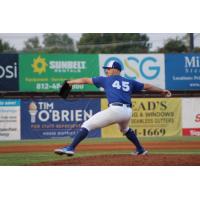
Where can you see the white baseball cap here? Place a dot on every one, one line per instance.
(113, 65)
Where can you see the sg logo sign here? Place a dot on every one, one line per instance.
(146, 67)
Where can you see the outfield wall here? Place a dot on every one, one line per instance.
(46, 72)
(57, 118)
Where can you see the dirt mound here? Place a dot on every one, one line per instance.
(128, 160)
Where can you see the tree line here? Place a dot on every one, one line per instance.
(98, 43)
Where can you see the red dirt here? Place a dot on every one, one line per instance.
(120, 159)
(128, 160)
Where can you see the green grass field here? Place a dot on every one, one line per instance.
(18, 159)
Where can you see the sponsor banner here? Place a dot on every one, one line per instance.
(157, 117)
(182, 71)
(9, 72)
(191, 116)
(43, 119)
(146, 68)
(9, 119)
(46, 72)
(151, 118)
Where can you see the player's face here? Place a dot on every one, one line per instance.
(109, 72)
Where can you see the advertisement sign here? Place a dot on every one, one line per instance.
(9, 72)
(151, 118)
(46, 72)
(157, 117)
(43, 119)
(145, 68)
(9, 119)
(182, 71)
(191, 116)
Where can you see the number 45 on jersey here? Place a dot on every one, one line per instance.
(124, 85)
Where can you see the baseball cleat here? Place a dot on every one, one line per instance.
(138, 153)
(65, 150)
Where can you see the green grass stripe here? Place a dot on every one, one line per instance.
(16, 159)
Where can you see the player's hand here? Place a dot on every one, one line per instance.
(70, 84)
(167, 93)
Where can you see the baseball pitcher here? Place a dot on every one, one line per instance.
(118, 92)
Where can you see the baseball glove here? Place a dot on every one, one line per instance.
(65, 90)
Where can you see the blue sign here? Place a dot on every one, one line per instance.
(182, 71)
(9, 72)
(44, 119)
(9, 102)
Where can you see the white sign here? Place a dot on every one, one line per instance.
(191, 116)
(10, 119)
(145, 68)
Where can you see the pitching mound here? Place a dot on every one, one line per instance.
(128, 160)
